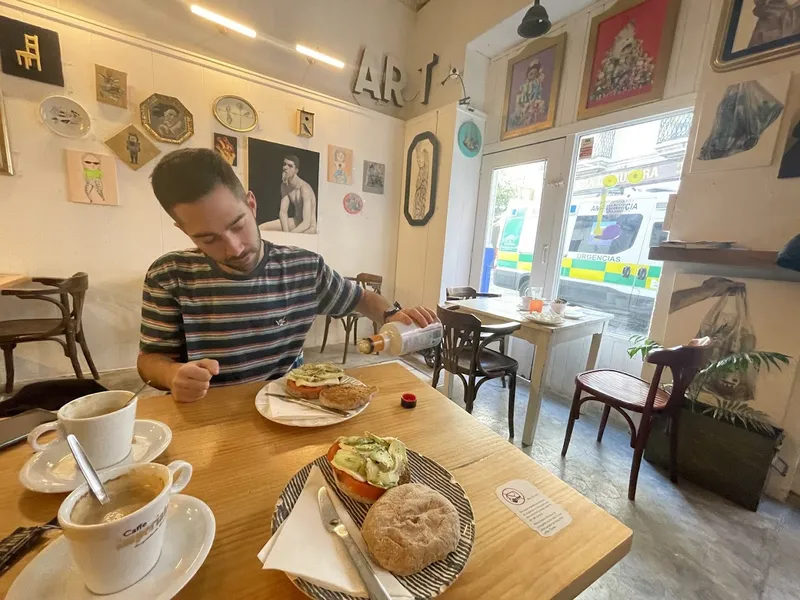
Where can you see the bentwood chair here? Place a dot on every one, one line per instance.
(68, 325)
(466, 292)
(350, 320)
(624, 392)
(463, 353)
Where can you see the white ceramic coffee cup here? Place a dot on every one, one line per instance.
(113, 556)
(525, 305)
(107, 438)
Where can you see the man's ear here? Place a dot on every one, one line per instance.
(251, 202)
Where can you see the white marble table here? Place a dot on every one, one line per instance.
(502, 310)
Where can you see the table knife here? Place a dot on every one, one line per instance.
(325, 409)
(332, 522)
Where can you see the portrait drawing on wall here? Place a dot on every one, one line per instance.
(133, 147)
(167, 119)
(422, 166)
(285, 182)
(374, 177)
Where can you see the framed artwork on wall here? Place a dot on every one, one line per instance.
(92, 178)
(533, 82)
(167, 119)
(235, 113)
(628, 56)
(111, 86)
(739, 124)
(228, 147)
(6, 165)
(374, 177)
(31, 52)
(340, 165)
(285, 182)
(422, 171)
(133, 147)
(756, 31)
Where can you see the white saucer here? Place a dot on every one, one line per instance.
(190, 532)
(53, 470)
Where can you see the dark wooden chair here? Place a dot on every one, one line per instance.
(624, 392)
(350, 320)
(463, 352)
(465, 292)
(69, 324)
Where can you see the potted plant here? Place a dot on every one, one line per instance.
(725, 445)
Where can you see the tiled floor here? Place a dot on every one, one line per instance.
(688, 544)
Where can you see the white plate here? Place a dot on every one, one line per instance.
(53, 470)
(545, 319)
(190, 533)
(574, 313)
(65, 117)
(279, 387)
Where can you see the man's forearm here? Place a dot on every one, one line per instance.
(373, 306)
(158, 369)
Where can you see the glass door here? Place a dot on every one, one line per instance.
(521, 198)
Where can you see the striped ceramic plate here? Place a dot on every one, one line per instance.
(431, 581)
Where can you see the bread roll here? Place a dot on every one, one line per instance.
(410, 527)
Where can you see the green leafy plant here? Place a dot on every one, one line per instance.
(732, 411)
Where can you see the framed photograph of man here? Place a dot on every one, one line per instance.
(532, 87)
(756, 31)
(285, 182)
(628, 56)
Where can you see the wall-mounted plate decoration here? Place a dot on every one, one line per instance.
(353, 203)
(65, 117)
(470, 140)
(235, 113)
(167, 119)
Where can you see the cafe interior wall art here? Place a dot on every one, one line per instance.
(739, 124)
(340, 165)
(167, 119)
(753, 32)
(533, 81)
(285, 182)
(374, 177)
(31, 52)
(92, 178)
(228, 147)
(422, 171)
(628, 56)
(6, 164)
(111, 86)
(133, 147)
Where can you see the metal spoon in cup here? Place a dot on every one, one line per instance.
(139, 391)
(95, 485)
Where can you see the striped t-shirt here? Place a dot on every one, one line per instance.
(254, 325)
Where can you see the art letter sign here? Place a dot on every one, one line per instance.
(386, 85)
(30, 51)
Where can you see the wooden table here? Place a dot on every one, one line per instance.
(11, 279)
(502, 310)
(242, 462)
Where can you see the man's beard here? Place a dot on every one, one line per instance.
(244, 263)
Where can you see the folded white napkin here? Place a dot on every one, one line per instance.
(285, 411)
(302, 547)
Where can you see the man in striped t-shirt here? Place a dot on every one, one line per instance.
(236, 309)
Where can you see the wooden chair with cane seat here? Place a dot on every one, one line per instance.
(466, 292)
(463, 353)
(69, 324)
(350, 320)
(624, 392)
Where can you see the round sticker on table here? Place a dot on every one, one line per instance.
(610, 181)
(353, 204)
(469, 139)
(636, 176)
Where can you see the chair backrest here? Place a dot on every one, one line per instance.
(373, 281)
(461, 293)
(75, 287)
(461, 331)
(685, 362)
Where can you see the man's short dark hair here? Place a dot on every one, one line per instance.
(294, 159)
(184, 176)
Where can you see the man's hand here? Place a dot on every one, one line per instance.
(421, 315)
(191, 381)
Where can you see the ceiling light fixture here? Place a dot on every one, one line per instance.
(535, 23)
(224, 21)
(328, 60)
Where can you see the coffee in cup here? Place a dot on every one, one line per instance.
(102, 422)
(115, 545)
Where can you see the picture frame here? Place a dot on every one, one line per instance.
(166, 119)
(530, 103)
(235, 113)
(111, 86)
(133, 147)
(744, 40)
(6, 164)
(422, 170)
(637, 34)
(91, 178)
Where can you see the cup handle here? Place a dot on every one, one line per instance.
(40, 430)
(181, 474)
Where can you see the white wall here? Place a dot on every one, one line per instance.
(339, 28)
(43, 234)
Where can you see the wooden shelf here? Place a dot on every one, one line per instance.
(753, 259)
